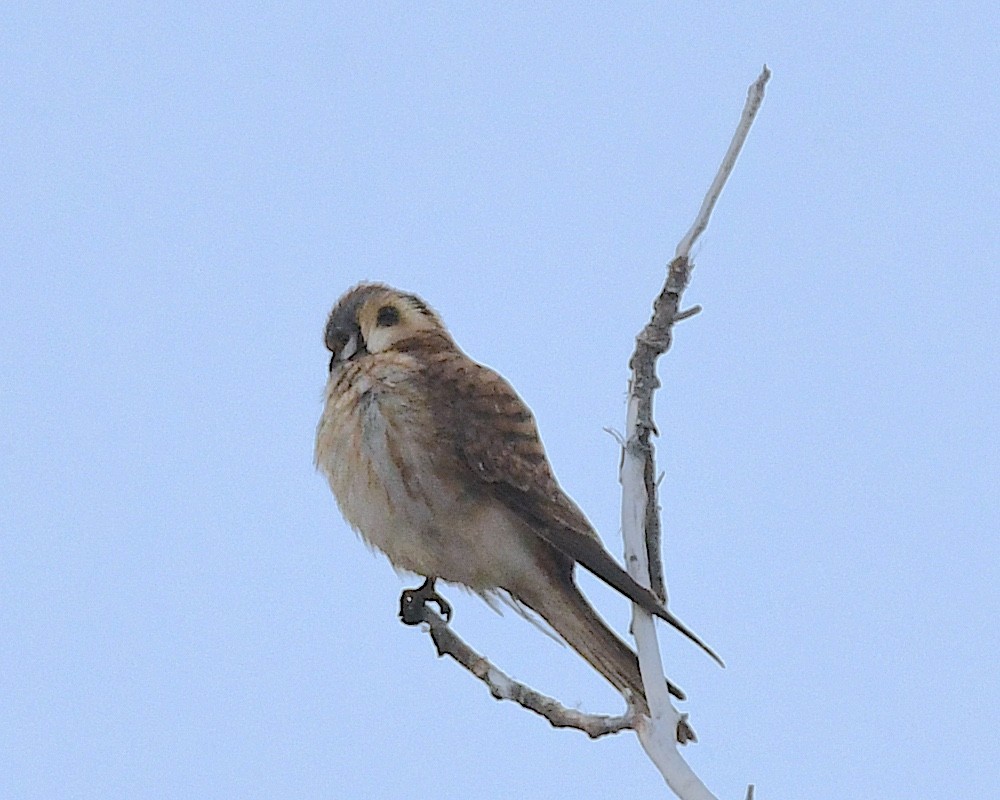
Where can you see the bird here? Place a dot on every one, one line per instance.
(437, 462)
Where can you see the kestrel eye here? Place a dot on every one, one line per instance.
(387, 317)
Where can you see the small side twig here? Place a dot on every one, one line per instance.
(687, 313)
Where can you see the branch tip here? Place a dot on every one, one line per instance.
(755, 96)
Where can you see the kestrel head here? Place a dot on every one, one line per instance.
(373, 318)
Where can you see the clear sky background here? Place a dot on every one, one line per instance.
(184, 193)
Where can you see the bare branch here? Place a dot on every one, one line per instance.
(659, 733)
(640, 505)
(503, 687)
(755, 96)
(651, 343)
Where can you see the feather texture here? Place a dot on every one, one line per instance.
(436, 461)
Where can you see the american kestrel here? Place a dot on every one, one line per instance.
(436, 461)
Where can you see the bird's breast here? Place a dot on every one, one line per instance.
(393, 481)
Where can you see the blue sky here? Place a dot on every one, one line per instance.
(184, 193)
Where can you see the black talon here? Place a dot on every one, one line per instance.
(413, 602)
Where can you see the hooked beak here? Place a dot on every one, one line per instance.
(350, 349)
(352, 346)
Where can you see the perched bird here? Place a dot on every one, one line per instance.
(436, 461)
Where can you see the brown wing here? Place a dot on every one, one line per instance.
(495, 436)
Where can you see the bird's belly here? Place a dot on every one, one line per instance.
(397, 487)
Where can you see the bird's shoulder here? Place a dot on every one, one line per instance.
(485, 419)
(494, 437)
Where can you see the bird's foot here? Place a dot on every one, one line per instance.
(413, 602)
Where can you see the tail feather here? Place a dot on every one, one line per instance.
(565, 608)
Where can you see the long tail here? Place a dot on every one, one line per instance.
(590, 553)
(562, 606)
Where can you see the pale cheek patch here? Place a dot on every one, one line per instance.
(379, 339)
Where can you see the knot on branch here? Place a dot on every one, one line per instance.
(656, 339)
(678, 275)
(638, 445)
